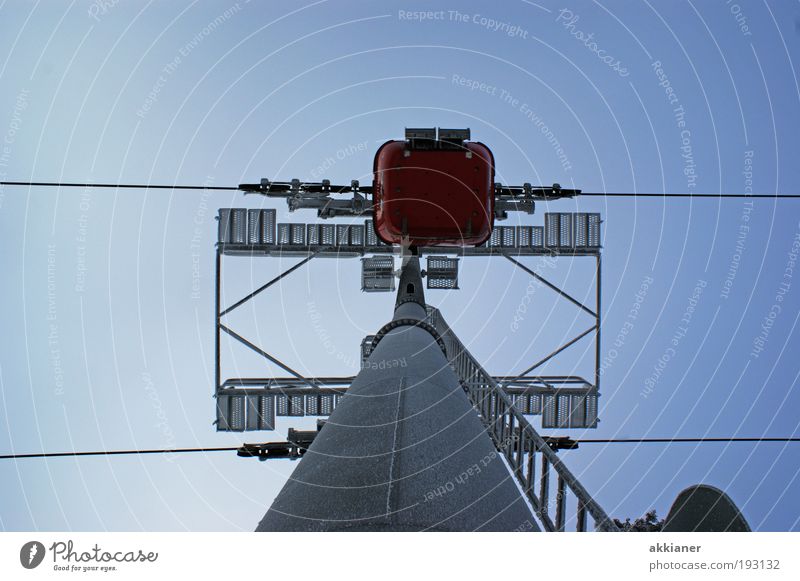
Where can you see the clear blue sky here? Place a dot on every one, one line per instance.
(107, 344)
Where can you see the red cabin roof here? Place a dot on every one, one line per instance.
(434, 190)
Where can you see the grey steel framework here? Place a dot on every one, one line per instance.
(502, 402)
(252, 403)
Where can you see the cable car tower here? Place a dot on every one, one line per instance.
(438, 444)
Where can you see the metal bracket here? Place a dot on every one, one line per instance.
(557, 443)
(316, 195)
(298, 442)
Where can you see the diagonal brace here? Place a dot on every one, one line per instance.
(267, 356)
(552, 286)
(270, 283)
(556, 352)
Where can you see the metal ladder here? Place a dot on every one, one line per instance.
(519, 442)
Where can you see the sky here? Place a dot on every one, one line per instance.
(108, 298)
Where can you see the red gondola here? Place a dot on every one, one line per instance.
(434, 190)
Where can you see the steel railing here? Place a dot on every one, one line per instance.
(519, 442)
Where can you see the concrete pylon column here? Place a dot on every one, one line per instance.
(404, 450)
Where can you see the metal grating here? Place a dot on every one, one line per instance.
(577, 411)
(238, 229)
(326, 404)
(503, 236)
(371, 237)
(530, 405)
(312, 405)
(520, 402)
(565, 230)
(297, 234)
(591, 410)
(581, 229)
(342, 235)
(328, 234)
(260, 412)
(442, 273)
(562, 411)
(587, 230)
(297, 405)
(535, 405)
(290, 405)
(508, 236)
(237, 413)
(268, 226)
(224, 219)
(312, 234)
(350, 234)
(222, 413)
(549, 411)
(252, 421)
(551, 229)
(569, 411)
(594, 230)
(558, 230)
(524, 235)
(283, 234)
(292, 234)
(253, 231)
(260, 226)
(230, 413)
(267, 412)
(356, 235)
(321, 234)
(282, 405)
(319, 404)
(377, 274)
(537, 237)
(232, 225)
(442, 283)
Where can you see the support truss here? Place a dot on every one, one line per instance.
(563, 401)
(564, 418)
